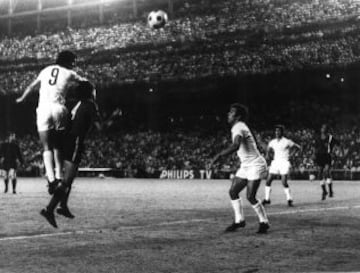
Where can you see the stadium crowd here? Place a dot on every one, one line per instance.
(252, 37)
(144, 153)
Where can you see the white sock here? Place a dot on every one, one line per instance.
(58, 164)
(58, 173)
(238, 210)
(328, 180)
(267, 192)
(261, 213)
(287, 193)
(49, 165)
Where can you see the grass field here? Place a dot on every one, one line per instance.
(125, 225)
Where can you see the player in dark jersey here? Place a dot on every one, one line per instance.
(324, 144)
(83, 116)
(9, 155)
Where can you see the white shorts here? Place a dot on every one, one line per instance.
(280, 167)
(11, 173)
(52, 116)
(252, 172)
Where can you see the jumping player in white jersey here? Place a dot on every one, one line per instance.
(281, 148)
(52, 114)
(253, 168)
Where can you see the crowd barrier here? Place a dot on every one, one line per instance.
(338, 174)
(309, 174)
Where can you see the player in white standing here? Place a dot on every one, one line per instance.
(253, 168)
(52, 114)
(281, 148)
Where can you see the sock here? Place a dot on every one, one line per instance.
(59, 194)
(14, 184)
(238, 210)
(58, 173)
(6, 181)
(323, 188)
(260, 211)
(329, 182)
(48, 158)
(287, 193)
(267, 192)
(58, 164)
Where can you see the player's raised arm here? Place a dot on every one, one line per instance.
(28, 90)
(233, 147)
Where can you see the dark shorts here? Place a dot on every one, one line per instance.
(323, 159)
(73, 149)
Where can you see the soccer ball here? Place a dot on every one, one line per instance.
(157, 19)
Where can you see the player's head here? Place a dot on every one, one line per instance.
(66, 59)
(85, 90)
(279, 130)
(237, 112)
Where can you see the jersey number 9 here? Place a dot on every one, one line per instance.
(54, 76)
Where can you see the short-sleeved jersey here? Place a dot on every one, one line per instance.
(10, 151)
(325, 145)
(54, 82)
(281, 148)
(248, 152)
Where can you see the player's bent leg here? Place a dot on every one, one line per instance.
(48, 156)
(237, 186)
(70, 171)
(58, 143)
(259, 209)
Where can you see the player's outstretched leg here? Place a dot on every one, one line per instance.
(48, 212)
(239, 218)
(64, 209)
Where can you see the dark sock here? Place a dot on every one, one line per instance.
(6, 181)
(330, 188)
(64, 200)
(14, 185)
(324, 189)
(59, 194)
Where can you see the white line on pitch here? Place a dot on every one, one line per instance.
(79, 232)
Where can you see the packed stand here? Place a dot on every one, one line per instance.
(146, 153)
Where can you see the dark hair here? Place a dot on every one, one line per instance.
(84, 90)
(280, 127)
(66, 58)
(241, 110)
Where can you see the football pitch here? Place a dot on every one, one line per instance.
(132, 225)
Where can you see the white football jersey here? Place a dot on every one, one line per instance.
(54, 81)
(281, 148)
(248, 152)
